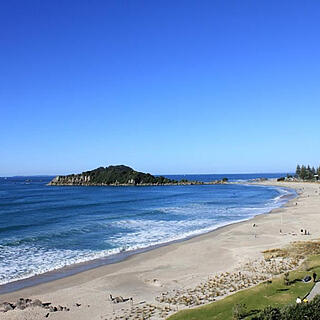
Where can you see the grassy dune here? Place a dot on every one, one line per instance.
(274, 293)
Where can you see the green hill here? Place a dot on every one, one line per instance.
(112, 175)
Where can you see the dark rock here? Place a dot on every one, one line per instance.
(37, 303)
(6, 306)
(46, 305)
(25, 303)
(21, 304)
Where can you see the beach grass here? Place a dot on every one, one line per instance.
(274, 293)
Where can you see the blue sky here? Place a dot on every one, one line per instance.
(162, 86)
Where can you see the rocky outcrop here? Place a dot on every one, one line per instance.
(71, 180)
(26, 303)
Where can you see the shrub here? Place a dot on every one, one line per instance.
(239, 311)
(270, 313)
(310, 311)
(286, 279)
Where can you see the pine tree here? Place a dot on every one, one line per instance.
(298, 170)
(309, 173)
(303, 172)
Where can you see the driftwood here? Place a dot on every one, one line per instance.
(119, 299)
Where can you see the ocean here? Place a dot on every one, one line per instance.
(46, 228)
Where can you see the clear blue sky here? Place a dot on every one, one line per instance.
(162, 86)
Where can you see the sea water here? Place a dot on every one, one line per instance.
(45, 228)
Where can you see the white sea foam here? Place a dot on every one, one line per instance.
(22, 261)
(27, 261)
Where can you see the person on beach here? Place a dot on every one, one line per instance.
(314, 276)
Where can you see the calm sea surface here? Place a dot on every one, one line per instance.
(45, 228)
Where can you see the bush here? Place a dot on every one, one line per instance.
(270, 313)
(286, 279)
(239, 311)
(310, 311)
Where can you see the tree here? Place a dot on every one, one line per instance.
(309, 175)
(298, 170)
(303, 172)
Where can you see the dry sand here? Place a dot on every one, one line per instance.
(176, 266)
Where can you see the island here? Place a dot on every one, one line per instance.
(119, 175)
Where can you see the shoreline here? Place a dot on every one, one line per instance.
(183, 264)
(76, 268)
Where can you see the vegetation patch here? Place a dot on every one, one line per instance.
(277, 294)
(296, 250)
(310, 311)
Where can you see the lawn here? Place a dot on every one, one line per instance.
(257, 298)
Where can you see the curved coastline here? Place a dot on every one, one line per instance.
(78, 268)
(178, 266)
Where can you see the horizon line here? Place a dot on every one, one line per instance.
(156, 174)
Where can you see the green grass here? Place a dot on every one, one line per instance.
(258, 297)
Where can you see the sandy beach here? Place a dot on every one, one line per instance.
(175, 268)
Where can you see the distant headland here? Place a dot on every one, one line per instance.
(119, 175)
